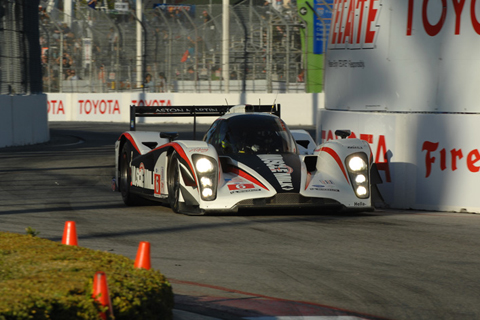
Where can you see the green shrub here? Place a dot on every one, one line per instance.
(41, 279)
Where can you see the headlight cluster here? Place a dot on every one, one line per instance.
(207, 169)
(357, 165)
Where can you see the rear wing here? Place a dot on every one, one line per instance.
(195, 111)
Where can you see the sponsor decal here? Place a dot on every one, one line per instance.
(359, 204)
(280, 170)
(174, 109)
(355, 24)
(162, 175)
(142, 177)
(244, 191)
(323, 188)
(327, 182)
(158, 185)
(326, 185)
(241, 186)
(454, 157)
(199, 150)
(99, 106)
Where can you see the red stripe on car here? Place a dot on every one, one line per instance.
(335, 156)
(245, 175)
(132, 141)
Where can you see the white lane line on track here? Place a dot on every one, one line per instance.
(305, 318)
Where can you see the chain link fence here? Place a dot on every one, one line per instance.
(181, 50)
(20, 71)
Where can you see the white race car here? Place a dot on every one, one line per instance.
(248, 158)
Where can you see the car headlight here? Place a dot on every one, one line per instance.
(359, 175)
(207, 171)
(356, 164)
(361, 191)
(204, 165)
(206, 182)
(360, 178)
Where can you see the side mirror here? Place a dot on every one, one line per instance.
(170, 135)
(343, 133)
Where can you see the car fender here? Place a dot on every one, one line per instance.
(189, 182)
(306, 144)
(331, 179)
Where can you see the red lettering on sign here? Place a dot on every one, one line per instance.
(472, 158)
(410, 17)
(153, 103)
(54, 108)
(367, 137)
(458, 6)
(335, 20)
(429, 147)
(475, 23)
(443, 159)
(341, 26)
(455, 155)
(434, 29)
(361, 6)
(355, 22)
(108, 107)
(348, 36)
(372, 17)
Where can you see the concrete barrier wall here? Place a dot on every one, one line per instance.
(23, 120)
(296, 108)
(426, 161)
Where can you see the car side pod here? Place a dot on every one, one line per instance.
(70, 234)
(142, 260)
(101, 294)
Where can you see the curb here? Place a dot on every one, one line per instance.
(185, 315)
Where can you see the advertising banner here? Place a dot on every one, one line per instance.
(317, 16)
(58, 107)
(98, 107)
(426, 161)
(406, 56)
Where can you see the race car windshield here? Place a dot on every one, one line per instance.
(255, 134)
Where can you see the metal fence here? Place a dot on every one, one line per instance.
(20, 71)
(181, 50)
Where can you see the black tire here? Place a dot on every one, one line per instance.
(173, 183)
(126, 178)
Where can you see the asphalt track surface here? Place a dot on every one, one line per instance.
(260, 265)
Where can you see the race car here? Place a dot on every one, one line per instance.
(247, 158)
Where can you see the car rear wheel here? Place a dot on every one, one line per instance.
(126, 178)
(173, 182)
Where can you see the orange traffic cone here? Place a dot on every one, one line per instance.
(70, 234)
(101, 294)
(143, 256)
